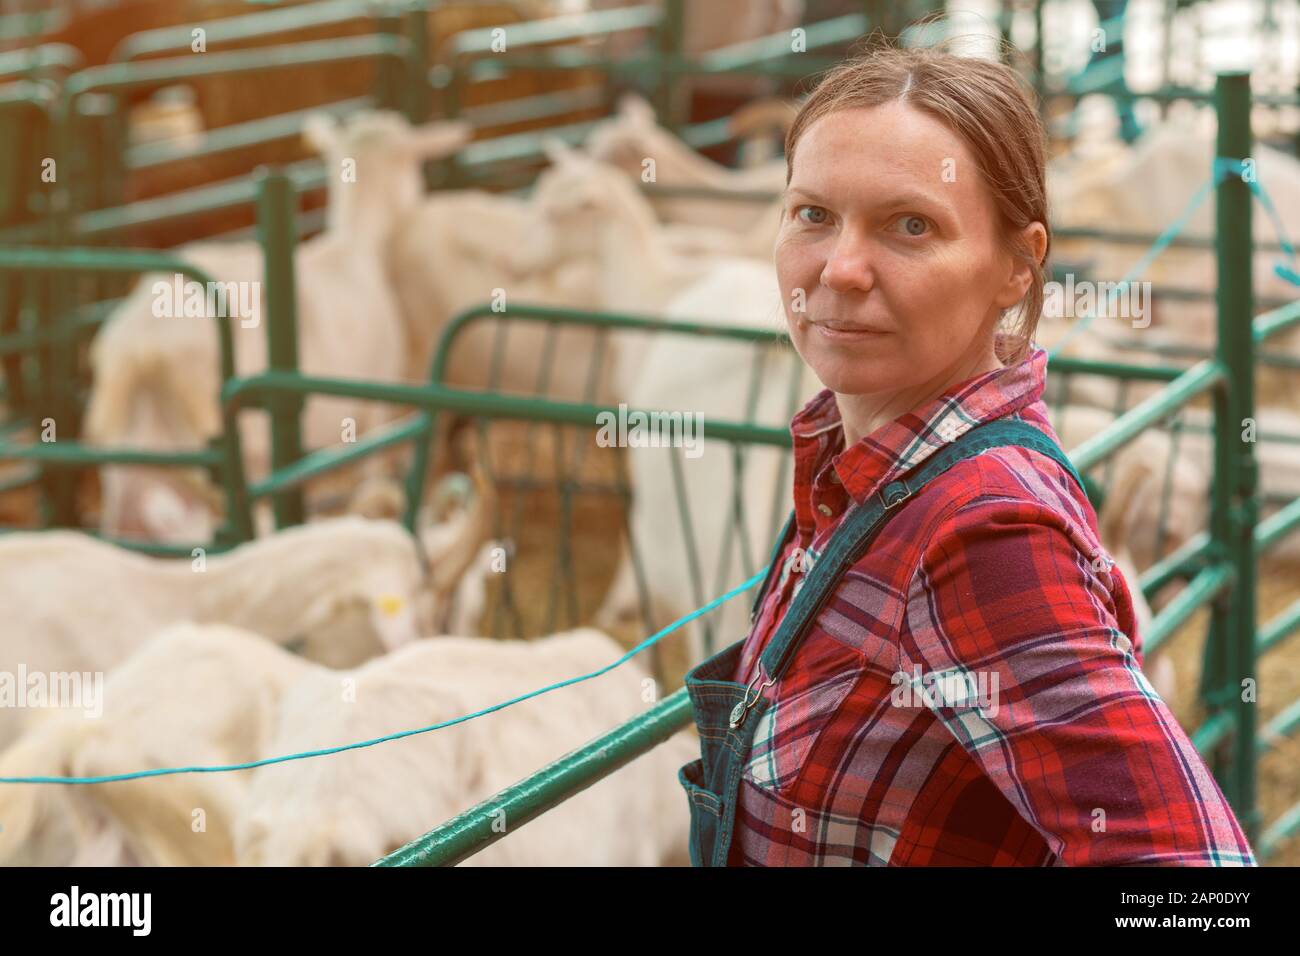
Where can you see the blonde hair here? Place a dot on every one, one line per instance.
(989, 107)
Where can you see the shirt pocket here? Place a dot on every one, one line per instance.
(789, 728)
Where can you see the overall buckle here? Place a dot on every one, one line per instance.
(741, 709)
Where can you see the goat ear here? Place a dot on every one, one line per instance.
(451, 545)
(435, 140)
(637, 109)
(170, 516)
(558, 151)
(395, 620)
(320, 131)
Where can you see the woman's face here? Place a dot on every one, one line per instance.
(891, 234)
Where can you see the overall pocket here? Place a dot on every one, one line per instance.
(787, 732)
(706, 813)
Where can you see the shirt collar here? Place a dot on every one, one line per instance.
(908, 440)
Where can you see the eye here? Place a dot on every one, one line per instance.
(912, 225)
(816, 215)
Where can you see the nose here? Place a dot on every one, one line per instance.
(850, 266)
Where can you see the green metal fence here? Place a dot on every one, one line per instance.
(1219, 567)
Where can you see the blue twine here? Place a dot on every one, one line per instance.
(1222, 168)
(166, 771)
(1162, 242)
(1281, 269)
(1234, 167)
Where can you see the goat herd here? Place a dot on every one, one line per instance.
(319, 635)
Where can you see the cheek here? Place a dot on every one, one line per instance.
(798, 266)
(938, 295)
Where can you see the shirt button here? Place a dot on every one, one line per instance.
(825, 509)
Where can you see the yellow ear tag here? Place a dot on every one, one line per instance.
(389, 604)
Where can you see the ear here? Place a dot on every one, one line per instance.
(451, 542)
(320, 131)
(454, 491)
(436, 140)
(558, 151)
(169, 516)
(394, 619)
(1032, 239)
(378, 498)
(637, 109)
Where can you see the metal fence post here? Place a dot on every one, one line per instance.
(390, 75)
(673, 105)
(1235, 504)
(277, 236)
(416, 93)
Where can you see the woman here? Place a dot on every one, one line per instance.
(961, 682)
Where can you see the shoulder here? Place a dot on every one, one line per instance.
(1011, 564)
(1012, 486)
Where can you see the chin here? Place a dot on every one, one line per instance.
(855, 383)
(852, 375)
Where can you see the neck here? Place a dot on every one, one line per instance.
(366, 215)
(635, 266)
(267, 585)
(864, 413)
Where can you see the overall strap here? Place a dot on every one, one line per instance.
(862, 523)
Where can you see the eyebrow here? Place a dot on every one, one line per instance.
(905, 198)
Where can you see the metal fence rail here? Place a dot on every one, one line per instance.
(1222, 577)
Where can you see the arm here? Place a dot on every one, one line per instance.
(1075, 737)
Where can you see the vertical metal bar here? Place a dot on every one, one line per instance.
(389, 72)
(415, 26)
(58, 363)
(1295, 141)
(1040, 60)
(671, 105)
(277, 235)
(1237, 485)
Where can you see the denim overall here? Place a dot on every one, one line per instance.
(726, 713)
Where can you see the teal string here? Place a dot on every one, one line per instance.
(1161, 243)
(1222, 168)
(167, 771)
(1281, 269)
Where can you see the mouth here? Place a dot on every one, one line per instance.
(846, 331)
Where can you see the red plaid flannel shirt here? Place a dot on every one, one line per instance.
(1024, 733)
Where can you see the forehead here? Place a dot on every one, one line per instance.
(861, 151)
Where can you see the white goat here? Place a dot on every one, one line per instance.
(452, 253)
(345, 589)
(193, 695)
(1193, 452)
(634, 137)
(1143, 189)
(156, 378)
(1149, 453)
(1129, 504)
(711, 376)
(351, 808)
(585, 239)
(584, 208)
